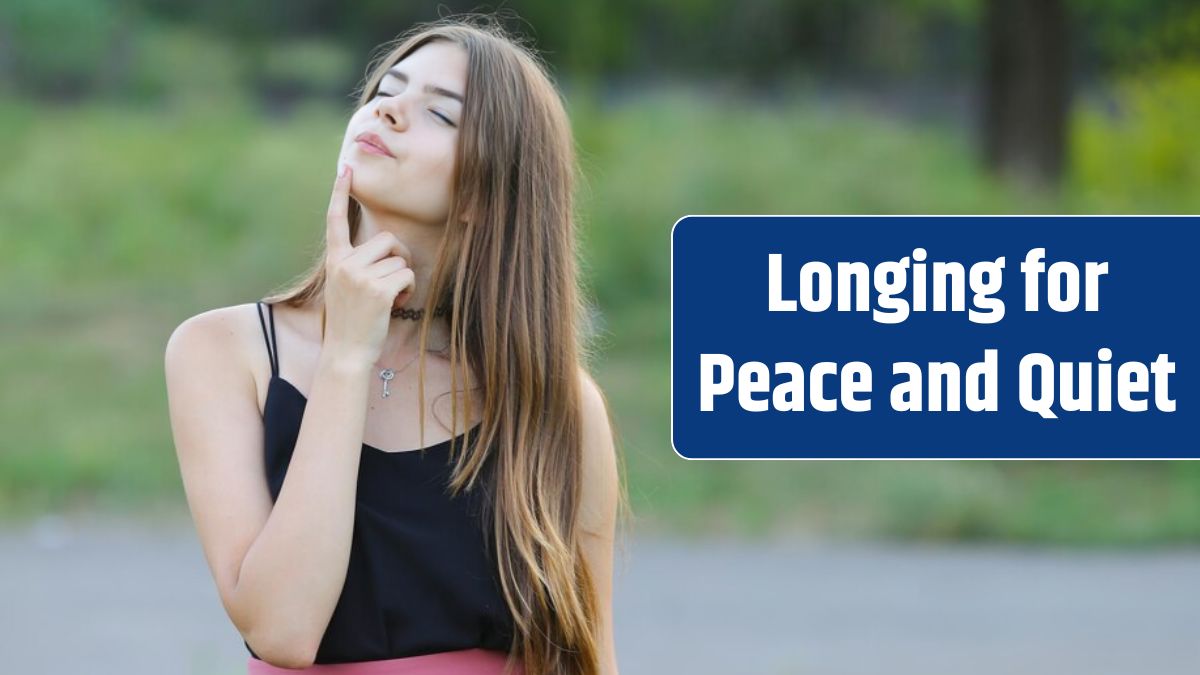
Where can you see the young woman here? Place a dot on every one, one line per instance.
(367, 537)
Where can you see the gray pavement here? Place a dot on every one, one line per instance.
(104, 596)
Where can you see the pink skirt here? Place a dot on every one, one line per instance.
(466, 662)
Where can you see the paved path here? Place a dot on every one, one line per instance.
(136, 598)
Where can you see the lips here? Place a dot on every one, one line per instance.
(374, 141)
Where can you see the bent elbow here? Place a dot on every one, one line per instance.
(272, 638)
(283, 651)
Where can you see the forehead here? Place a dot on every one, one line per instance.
(439, 63)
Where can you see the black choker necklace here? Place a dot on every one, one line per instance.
(416, 314)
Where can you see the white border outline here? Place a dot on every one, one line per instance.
(671, 310)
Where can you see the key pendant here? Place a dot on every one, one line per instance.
(386, 375)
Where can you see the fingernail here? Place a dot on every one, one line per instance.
(343, 170)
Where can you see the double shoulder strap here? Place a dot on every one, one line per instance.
(272, 343)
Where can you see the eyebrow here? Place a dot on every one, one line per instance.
(429, 88)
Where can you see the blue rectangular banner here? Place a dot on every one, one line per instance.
(923, 337)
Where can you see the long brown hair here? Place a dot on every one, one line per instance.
(507, 267)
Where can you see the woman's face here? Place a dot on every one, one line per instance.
(415, 116)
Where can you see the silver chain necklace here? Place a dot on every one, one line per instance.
(387, 374)
(413, 315)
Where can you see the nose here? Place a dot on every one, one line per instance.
(393, 111)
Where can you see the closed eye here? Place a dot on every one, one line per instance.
(443, 118)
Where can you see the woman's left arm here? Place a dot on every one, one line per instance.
(598, 511)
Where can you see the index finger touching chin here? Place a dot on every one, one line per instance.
(337, 226)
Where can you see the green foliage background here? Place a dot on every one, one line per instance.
(192, 172)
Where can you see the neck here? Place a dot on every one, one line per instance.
(423, 241)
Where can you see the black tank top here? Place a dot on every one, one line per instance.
(422, 576)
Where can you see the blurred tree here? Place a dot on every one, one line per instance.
(1124, 35)
(65, 49)
(1026, 83)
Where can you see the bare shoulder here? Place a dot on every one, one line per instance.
(594, 404)
(220, 338)
(224, 329)
(599, 461)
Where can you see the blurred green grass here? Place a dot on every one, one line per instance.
(119, 222)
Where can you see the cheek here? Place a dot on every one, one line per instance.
(437, 181)
(438, 163)
(445, 169)
(360, 115)
(357, 121)
(445, 160)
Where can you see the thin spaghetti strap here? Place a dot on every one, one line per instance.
(272, 343)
